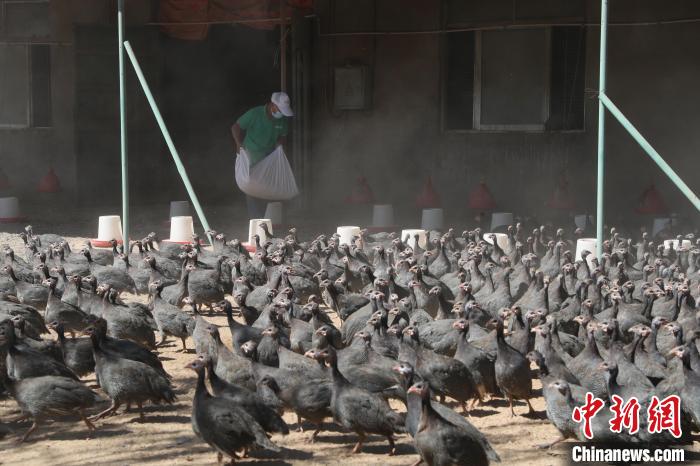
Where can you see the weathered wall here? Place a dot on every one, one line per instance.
(653, 71)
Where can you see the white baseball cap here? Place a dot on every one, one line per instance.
(281, 99)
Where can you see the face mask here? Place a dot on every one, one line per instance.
(277, 115)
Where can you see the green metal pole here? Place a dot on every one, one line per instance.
(168, 139)
(655, 156)
(122, 127)
(601, 128)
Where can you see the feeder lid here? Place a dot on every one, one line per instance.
(481, 199)
(652, 202)
(361, 193)
(428, 198)
(49, 183)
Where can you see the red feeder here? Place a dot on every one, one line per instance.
(561, 198)
(4, 180)
(361, 193)
(428, 198)
(49, 183)
(481, 199)
(651, 202)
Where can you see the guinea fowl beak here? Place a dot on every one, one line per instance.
(415, 390)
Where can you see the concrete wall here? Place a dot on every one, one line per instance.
(653, 76)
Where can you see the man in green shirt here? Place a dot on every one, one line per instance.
(259, 131)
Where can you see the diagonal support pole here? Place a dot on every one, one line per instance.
(168, 140)
(655, 156)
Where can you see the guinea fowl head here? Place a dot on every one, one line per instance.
(213, 330)
(271, 331)
(461, 325)
(609, 367)
(364, 336)
(421, 389)
(57, 326)
(49, 283)
(535, 357)
(404, 369)
(249, 349)
(562, 387)
(196, 365)
(269, 382)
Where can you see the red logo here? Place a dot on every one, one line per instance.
(661, 415)
(587, 412)
(665, 415)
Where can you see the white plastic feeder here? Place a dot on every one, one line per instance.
(411, 241)
(109, 228)
(382, 215)
(432, 219)
(180, 209)
(346, 234)
(501, 219)
(667, 244)
(274, 212)
(660, 224)
(9, 210)
(501, 239)
(588, 244)
(181, 229)
(254, 229)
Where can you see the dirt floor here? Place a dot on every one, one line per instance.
(166, 436)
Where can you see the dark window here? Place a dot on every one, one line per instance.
(567, 86)
(459, 98)
(520, 79)
(41, 85)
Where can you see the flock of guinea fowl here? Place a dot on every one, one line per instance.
(332, 331)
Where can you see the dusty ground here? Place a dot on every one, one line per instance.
(166, 436)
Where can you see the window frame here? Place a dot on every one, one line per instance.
(477, 127)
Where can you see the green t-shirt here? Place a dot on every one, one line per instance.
(261, 132)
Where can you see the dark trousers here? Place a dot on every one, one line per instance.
(256, 207)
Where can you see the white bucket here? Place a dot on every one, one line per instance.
(501, 239)
(660, 224)
(254, 229)
(583, 220)
(181, 229)
(588, 244)
(273, 211)
(346, 234)
(383, 215)
(501, 219)
(109, 228)
(411, 241)
(667, 244)
(9, 207)
(180, 209)
(432, 219)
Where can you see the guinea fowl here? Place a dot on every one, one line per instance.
(47, 347)
(110, 275)
(250, 401)
(23, 362)
(76, 352)
(223, 424)
(123, 348)
(477, 361)
(443, 441)
(171, 320)
(229, 366)
(357, 409)
(132, 322)
(125, 380)
(512, 371)
(204, 286)
(249, 313)
(586, 365)
(70, 316)
(34, 295)
(174, 294)
(240, 333)
(50, 395)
